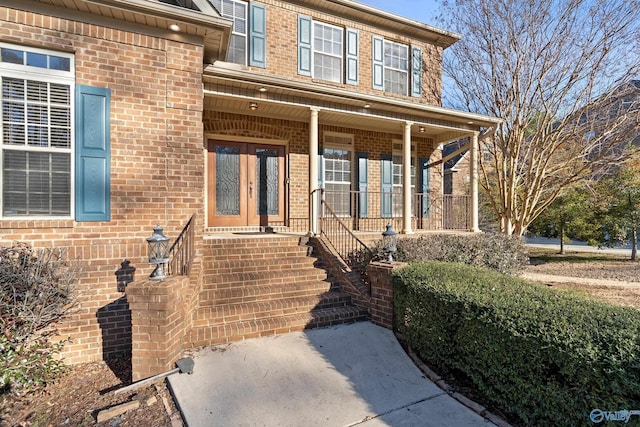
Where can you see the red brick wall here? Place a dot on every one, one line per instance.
(282, 28)
(157, 165)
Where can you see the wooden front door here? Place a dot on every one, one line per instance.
(246, 184)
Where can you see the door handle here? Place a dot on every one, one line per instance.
(251, 189)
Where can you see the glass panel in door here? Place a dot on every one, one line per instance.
(227, 180)
(267, 182)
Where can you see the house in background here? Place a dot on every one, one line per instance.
(230, 116)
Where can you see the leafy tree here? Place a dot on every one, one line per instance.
(558, 73)
(570, 216)
(618, 211)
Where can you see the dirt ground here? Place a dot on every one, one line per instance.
(85, 390)
(613, 279)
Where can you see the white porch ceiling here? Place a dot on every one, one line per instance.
(232, 89)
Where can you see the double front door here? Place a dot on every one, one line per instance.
(246, 184)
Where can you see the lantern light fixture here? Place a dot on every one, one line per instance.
(158, 251)
(389, 242)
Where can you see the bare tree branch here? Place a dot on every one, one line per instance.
(560, 74)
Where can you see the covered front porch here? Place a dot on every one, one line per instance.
(312, 152)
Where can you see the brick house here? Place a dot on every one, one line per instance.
(119, 115)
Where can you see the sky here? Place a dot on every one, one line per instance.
(420, 10)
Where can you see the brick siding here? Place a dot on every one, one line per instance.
(156, 166)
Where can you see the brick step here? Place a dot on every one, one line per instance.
(238, 331)
(270, 292)
(242, 247)
(227, 313)
(263, 277)
(231, 252)
(258, 264)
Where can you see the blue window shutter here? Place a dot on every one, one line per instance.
(386, 184)
(258, 36)
(378, 62)
(93, 152)
(304, 45)
(416, 71)
(424, 186)
(363, 185)
(352, 56)
(320, 168)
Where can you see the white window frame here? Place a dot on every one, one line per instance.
(397, 171)
(388, 67)
(345, 142)
(38, 74)
(234, 31)
(316, 50)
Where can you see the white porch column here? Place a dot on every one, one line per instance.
(314, 196)
(473, 181)
(406, 179)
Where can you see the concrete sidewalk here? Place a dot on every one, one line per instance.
(347, 375)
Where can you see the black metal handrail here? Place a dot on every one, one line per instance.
(351, 250)
(182, 251)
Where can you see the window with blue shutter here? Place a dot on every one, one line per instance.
(304, 45)
(416, 71)
(93, 151)
(386, 184)
(352, 57)
(424, 187)
(363, 185)
(258, 35)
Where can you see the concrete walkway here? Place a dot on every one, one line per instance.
(348, 375)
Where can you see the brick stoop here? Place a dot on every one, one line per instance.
(260, 286)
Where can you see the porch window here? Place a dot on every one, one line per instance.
(36, 137)
(398, 174)
(337, 179)
(338, 171)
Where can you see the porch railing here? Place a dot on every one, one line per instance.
(371, 211)
(353, 252)
(181, 253)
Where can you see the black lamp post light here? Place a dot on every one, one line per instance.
(158, 248)
(389, 242)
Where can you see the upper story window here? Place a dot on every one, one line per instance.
(325, 53)
(397, 68)
(36, 138)
(236, 11)
(248, 34)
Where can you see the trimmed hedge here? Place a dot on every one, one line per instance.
(496, 251)
(545, 357)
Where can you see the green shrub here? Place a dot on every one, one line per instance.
(25, 367)
(35, 292)
(543, 356)
(496, 251)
